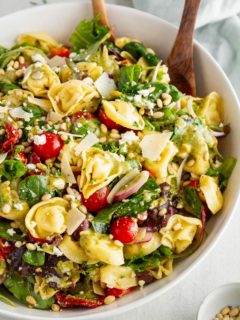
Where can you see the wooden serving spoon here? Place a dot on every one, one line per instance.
(180, 60)
(100, 8)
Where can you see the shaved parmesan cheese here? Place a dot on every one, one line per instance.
(56, 61)
(67, 170)
(153, 144)
(38, 58)
(74, 218)
(3, 156)
(86, 143)
(105, 85)
(44, 104)
(54, 116)
(20, 113)
(128, 137)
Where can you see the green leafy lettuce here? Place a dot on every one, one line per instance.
(129, 74)
(192, 202)
(32, 188)
(137, 50)
(12, 169)
(4, 234)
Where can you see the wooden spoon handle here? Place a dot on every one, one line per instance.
(184, 39)
(99, 7)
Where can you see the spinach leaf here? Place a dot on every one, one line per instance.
(7, 86)
(140, 264)
(4, 299)
(87, 33)
(35, 258)
(12, 169)
(85, 126)
(224, 171)
(32, 188)
(4, 227)
(21, 287)
(191, 201)
(136, 204)
(137, 50)
(129, 74)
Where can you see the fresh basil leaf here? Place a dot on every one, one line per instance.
(192, 203)
(4, 234)
(32, 188)
(129, 74)
(12, 169)
(35, 258)
(87, 33)
(132, 206)
(7, 86)
(21, 287)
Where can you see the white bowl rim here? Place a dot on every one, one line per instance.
(215, 291)
(142, 300)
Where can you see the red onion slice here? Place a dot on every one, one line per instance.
(142, 236)
(125, 180)
(133, 186)
(218, 133)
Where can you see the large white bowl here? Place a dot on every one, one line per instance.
(59, 20)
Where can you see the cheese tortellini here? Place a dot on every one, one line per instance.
(211, 109)
(99, 168)
(39, 78)
(179, 232)
(40, 39)
(73, 96)
(160, 167)
(72, 250)
(91, 69)
(17, 209)
(212, 194)
(164, 270)
(47, 218)
(100, 247)
(123, 113)
(119, 277)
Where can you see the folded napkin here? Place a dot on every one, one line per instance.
(218, 29)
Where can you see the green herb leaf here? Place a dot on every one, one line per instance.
(36, 111)
(87, 33)
(192, 203)
(35, 258)
(4, 227)
(32, 188)
(12, 169)
(136, 204)
(137, 50)
(129, 74)
(21, 287)
(7, 86)
(140, 264)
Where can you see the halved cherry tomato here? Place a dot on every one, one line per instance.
(51, 148)
(84, 114)
(34, 158)
(98, 200)
(108, 122)
(117, 292)
(62, 52)
(68, 301)
(22, 157)
(12, 137)
(124, 229)
(193, 183)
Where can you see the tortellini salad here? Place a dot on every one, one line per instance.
(108, 173)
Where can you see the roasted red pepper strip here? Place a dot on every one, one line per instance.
(193, 183)
(117, 292)
(12, 137)
(68, 301)
(5, 248)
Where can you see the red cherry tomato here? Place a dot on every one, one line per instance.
(98, 200)
(62, 52)
(117, 292)
(68, 301)
(39, 240)
(22, 157)
(124, 229)
(51, 148)
(108, 122)
(12, 137)
(34, 158)
(80, 114)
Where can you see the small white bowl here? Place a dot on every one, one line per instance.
(226, 295)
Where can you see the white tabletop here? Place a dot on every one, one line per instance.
(221, 265)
